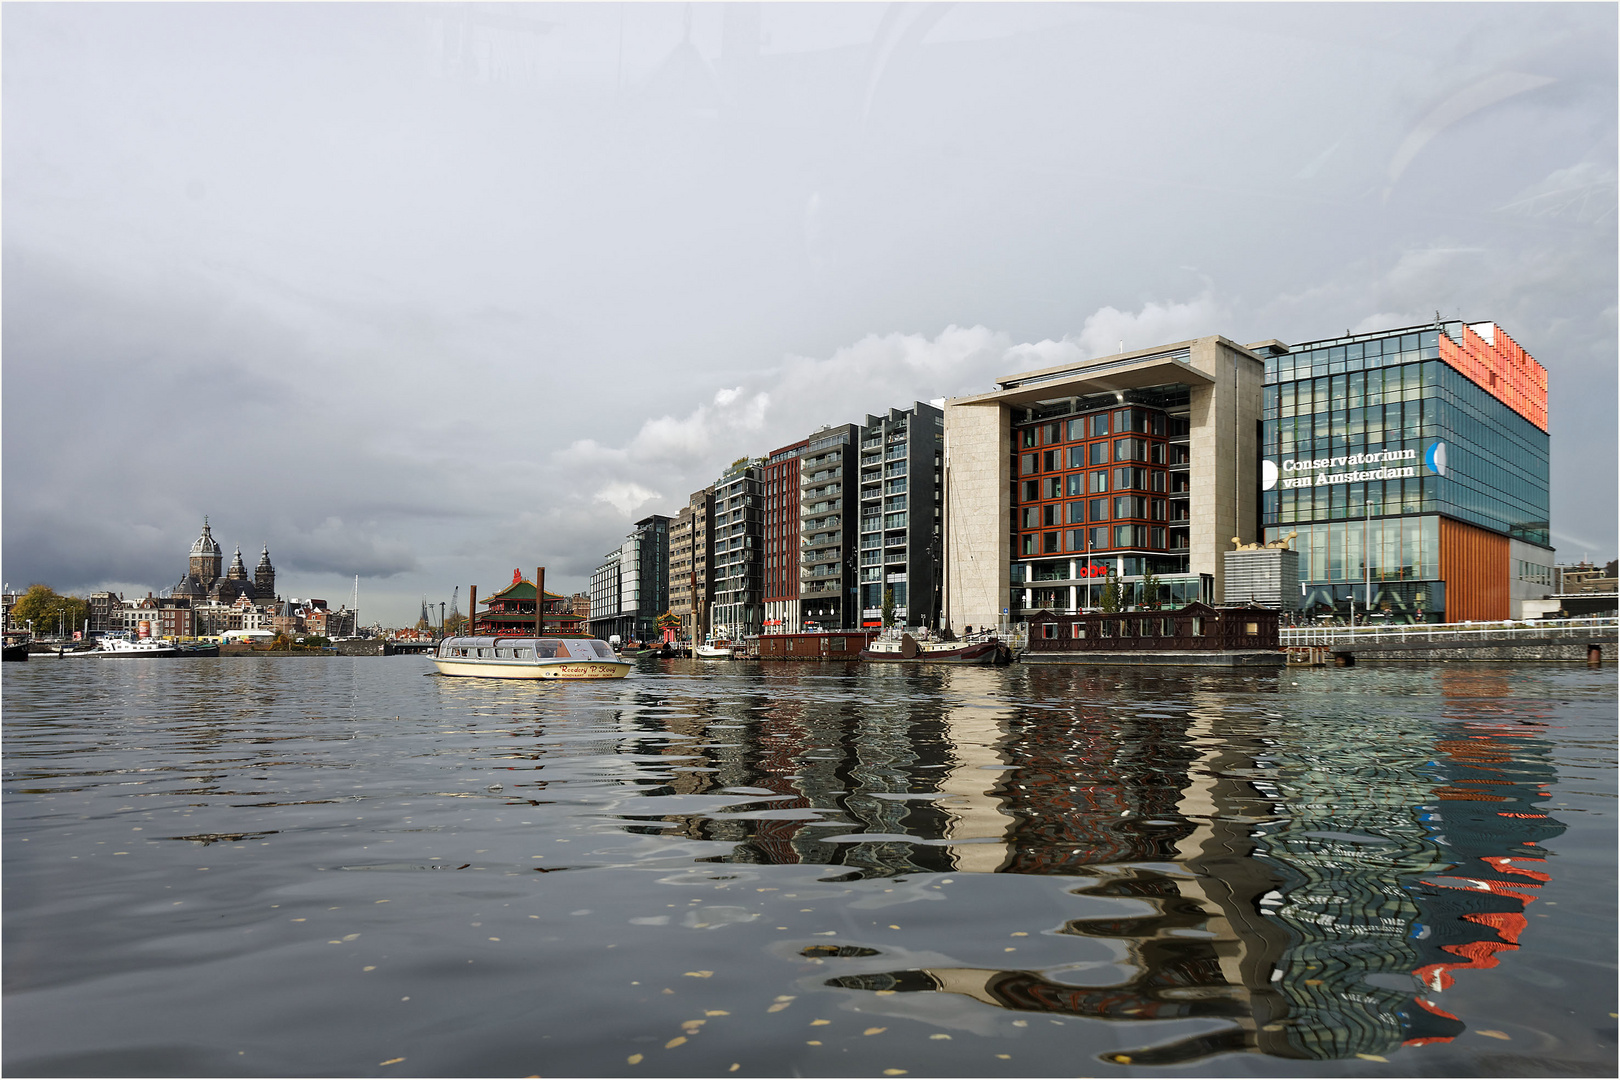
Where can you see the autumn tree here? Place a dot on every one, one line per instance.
(49, 610)
(888, 607)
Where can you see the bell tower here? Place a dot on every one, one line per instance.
(264, 576)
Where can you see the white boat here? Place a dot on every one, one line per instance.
(122, 646)
(529, 658)
(714, 650)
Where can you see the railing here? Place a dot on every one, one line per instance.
(1440, 633)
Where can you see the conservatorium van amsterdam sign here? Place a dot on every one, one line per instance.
(1350, 469)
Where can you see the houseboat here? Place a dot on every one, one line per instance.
(906, 649)
(529, 658)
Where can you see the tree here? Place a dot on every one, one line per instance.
(1110, 593)
(49, 610)
(454, 623)
(888, 607)
(1150, 591)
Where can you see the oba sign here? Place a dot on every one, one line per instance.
(1315, 472)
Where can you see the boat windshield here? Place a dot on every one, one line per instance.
(602, 650)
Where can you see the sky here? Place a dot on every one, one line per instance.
(423, 293)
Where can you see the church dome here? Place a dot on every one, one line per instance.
(205, 544)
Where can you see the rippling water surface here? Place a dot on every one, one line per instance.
(332, 866)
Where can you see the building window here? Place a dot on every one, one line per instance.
(1124, 535)
(1076, 484)
(1032, 490)
(1077, 457)
(1099, 537)
(1028, 466)
(1099, 482)
(1130, 450)
(1099, 425)
(1077, 539)
(1099, 453)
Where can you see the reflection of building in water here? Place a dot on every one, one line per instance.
(1304, 859)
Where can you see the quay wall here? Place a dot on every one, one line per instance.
(1559, 651)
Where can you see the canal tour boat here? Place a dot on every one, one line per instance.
(529, 658)
(907, 649)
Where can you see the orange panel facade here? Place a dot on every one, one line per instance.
(1502, 368)
(1474, 566)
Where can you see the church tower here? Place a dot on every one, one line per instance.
(264, 576)
(206, 558)
(238, 571)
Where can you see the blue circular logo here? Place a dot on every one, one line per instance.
(1435, 458)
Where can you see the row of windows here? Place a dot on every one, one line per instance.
(1354, 356)
(1070, 485)
(1097, 425)
(1081, 455)
(1081, 511)
(1406, 548)
(1156, 537)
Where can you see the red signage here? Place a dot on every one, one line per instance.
(1094, 570)
(872, 622)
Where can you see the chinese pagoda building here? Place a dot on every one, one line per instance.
(510, 613)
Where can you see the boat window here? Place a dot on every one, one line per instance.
(602, 650)
(523, 654)
(837, 644)
(545, 650)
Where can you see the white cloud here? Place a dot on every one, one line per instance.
(626, 497)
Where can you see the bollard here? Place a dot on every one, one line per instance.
(1594, 654)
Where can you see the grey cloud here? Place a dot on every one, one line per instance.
(388, 264)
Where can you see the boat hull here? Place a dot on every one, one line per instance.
(517, 669)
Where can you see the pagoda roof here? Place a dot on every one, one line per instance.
(522, 589)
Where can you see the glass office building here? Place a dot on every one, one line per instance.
(1413, 466)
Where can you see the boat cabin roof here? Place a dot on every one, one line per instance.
(508, 642)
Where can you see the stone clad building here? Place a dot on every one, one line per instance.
(1142, 462)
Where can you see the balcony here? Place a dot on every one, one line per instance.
(822, 557)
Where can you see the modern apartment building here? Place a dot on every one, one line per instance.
(691, 565)
(901, 515)
(1142, 462)
(782, 521)
(739, 540)
(1413, 465)
(605, 596)
(827, 500)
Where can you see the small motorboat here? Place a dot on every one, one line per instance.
(907, 649)
(529, 658)
(714, 650)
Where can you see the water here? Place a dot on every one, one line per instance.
(256, 866)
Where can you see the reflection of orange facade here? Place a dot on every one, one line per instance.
(1489, 759)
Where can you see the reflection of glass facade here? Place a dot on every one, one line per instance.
(1383, 435)
(1314, 881)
